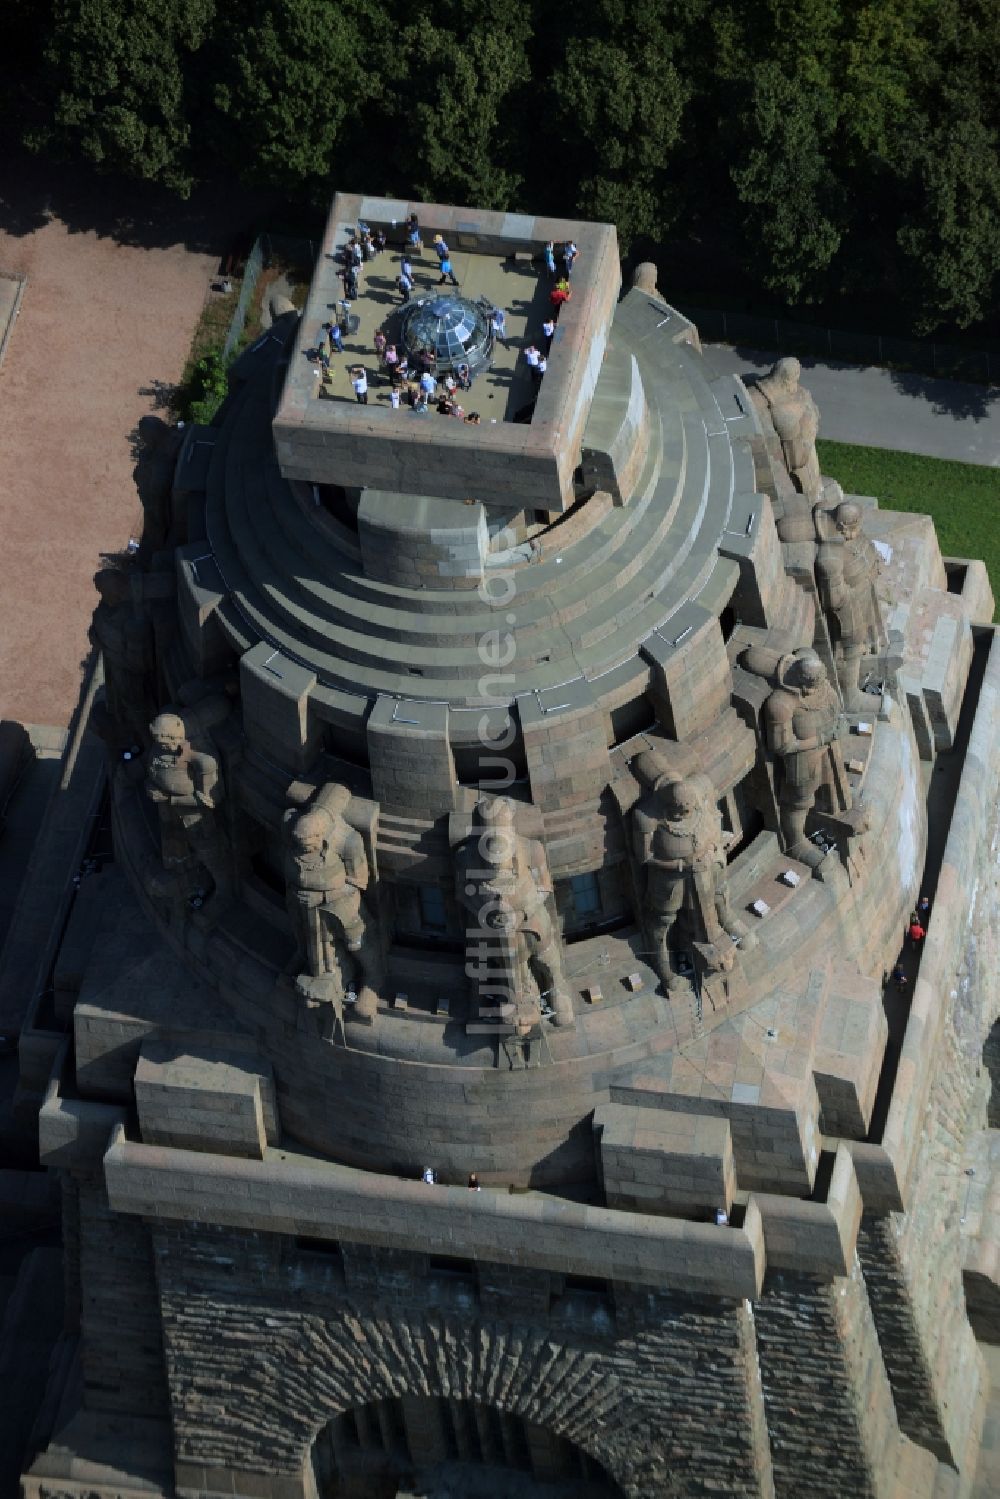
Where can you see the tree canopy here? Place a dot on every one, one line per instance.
(827, 149)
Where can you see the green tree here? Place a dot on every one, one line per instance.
(457, 83)
(950, 235)
(791, 197)
(290, 80)
(120, 80)
(778, 100)
(618, 108)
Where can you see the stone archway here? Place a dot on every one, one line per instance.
(437, 1447)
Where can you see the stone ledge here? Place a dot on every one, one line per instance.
(814, 1238)
(945, 931)
(530, 1229)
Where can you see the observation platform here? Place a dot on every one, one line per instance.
(342, 442)
(516, 286)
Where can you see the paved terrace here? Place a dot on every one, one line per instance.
(515, 285)
(340, 442)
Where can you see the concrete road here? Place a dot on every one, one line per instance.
(885, 409)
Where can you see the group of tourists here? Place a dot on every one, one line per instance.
(916, 931)
(404, 281)
(413, 379)
(364, 245)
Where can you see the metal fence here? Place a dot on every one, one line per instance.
(948, 360)
(297, 255)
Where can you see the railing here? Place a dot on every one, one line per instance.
(297, 254)
(949, 361)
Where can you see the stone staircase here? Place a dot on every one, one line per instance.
(581, 612)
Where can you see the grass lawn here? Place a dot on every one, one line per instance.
(962, 498)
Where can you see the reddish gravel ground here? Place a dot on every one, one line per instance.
(117, 277)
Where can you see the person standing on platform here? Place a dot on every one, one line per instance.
(447, 274)
(359, 380)
(549, 332)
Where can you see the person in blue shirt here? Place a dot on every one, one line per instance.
(447, 274)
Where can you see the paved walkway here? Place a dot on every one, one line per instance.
(117, 277)
(885, 409)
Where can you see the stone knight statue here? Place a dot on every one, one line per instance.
(185, 785)
(795, 418)
(802, 721)
(326, 875)
(502, 879)
(847, 569)
(680, 850)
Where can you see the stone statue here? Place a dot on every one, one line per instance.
(802, 719)
(185, 785)
(154, 477)
(502, 879)
(326, 875)
(847, 569)
(123, 632)
(795, 418)
(680, 850)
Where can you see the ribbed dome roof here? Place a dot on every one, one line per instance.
(456, 329)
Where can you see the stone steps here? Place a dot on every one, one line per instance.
(580, 616)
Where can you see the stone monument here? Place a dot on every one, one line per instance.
(803, 718)
(502, 880)
(847, 570)
(185, 786)
(481, 754)
(680, 848)
(326, 876)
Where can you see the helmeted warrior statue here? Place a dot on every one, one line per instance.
(847, 569)
(185, 785)
(802, 721)
(680, 850)
(326, 875)
(502, 879)
(795, 417)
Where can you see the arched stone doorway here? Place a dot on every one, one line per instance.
(428, 1447)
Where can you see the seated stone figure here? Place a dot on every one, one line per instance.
(185, 785)
(326, 874)
(803, 724)
(847, 569)
(502, 879)
(680, 850)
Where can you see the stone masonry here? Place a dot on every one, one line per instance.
(526, 802)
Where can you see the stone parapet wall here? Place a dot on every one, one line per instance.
(828, 1403)
(336, 1202)
(967, 855)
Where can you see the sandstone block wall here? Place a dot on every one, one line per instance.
(639, 1383)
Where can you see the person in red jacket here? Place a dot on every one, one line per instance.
(917, 933)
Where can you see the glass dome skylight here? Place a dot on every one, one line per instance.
(456, 329)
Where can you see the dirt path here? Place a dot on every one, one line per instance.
(113, 295)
